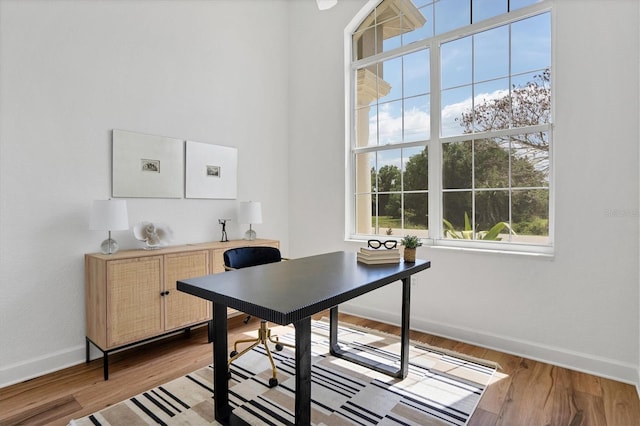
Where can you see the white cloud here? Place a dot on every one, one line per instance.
(417, 123)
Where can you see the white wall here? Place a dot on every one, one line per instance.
(579, 309)
(70, 72)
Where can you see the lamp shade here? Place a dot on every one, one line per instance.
(250, 212)
(109, 215)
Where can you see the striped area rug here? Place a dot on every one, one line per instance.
(441, 388)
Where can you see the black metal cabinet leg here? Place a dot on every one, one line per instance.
(303, 372)
(105, 364)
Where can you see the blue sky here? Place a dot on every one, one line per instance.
(474, 68)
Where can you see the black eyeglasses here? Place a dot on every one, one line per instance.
(376, 244)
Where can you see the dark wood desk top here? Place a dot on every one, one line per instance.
(286, 292)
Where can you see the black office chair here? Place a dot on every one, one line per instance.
(244, 257)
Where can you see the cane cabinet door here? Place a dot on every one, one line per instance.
(134, 310)
(182, 309)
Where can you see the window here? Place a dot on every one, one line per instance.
(451, 123)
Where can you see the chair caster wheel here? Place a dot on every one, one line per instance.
(279, 347)
(273, 382)
(233, 353)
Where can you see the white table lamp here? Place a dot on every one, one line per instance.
(109, 215)
(250, 212)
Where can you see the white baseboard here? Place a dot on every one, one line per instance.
(587, 363)
(35, 367)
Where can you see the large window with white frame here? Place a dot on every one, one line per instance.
(450, 123)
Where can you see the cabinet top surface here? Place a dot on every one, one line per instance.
(212, 245)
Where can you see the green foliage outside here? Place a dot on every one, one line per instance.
(502, 171)
(468, 233)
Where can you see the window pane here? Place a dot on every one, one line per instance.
(366, 217)
(491, 54)
(531, 101)
(416, 213)
(391, 72)
(416, 73)
(491, 165)
(530, 216)
(530, 160)
(389, 184)
(452, 14)
(392, 31)
(390, 123)
(388, 225)
(364, 40)
(415, 169)
(484, 9)
(454, 103)
(531, 44)
(423, 28)
(492, 208)
(365, 166)
(388, 169)
(456, 63)
(456, 165)
(366, 122)
(457, 215)
(492, 107)
(367, 86)
(417, 125)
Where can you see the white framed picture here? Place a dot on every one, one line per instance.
(211, 171)
(147, 166)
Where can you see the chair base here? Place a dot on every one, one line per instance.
(264, 336)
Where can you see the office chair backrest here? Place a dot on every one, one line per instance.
(243, 257)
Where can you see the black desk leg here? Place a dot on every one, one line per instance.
(391, 370)
(404, 332)
(220, 369)
(334, 348)
(303, 371)
(210, 331)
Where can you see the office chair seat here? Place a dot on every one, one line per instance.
(244, 257)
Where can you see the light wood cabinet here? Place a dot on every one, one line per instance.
(182, 309)
(131, 296)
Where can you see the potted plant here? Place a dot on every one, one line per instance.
(410, 243)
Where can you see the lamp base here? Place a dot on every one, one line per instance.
(250, 235)
(109, 246)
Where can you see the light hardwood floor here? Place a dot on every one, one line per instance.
(524, 392)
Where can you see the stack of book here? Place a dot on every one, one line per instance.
(378, 256)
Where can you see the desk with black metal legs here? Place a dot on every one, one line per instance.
(290, 293)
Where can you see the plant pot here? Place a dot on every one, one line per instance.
(409, 255)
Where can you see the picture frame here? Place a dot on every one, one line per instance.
(210, 171)
(147, 166)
